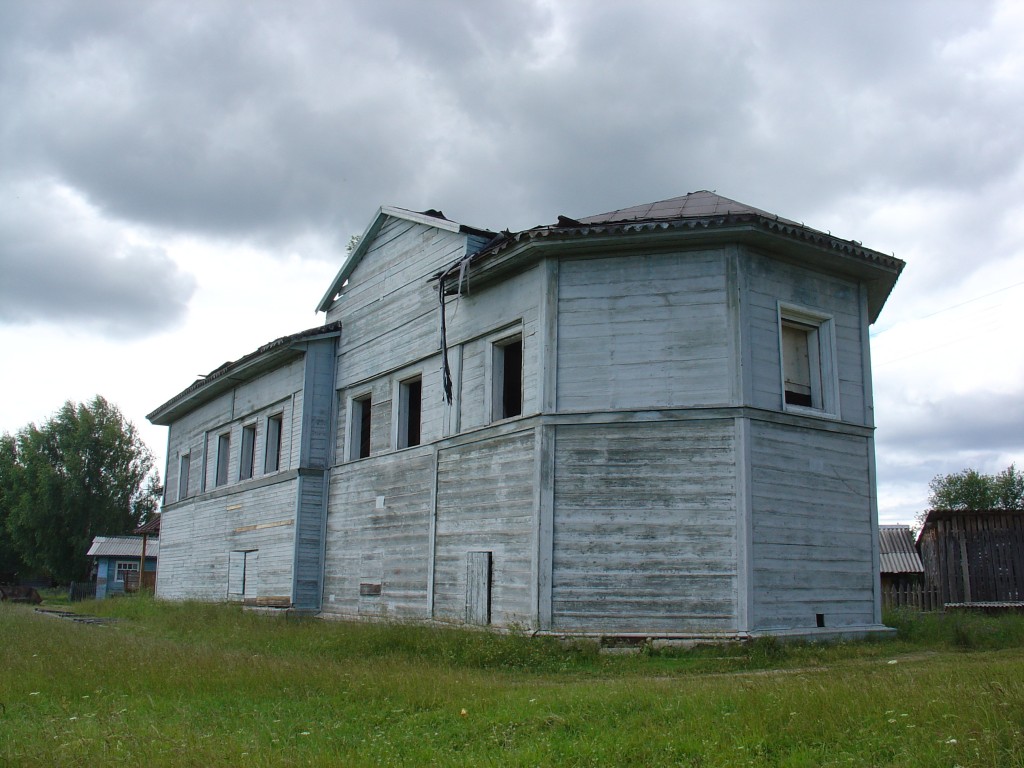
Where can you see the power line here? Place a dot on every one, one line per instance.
(949, 308)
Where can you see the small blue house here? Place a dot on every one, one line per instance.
(117, 564)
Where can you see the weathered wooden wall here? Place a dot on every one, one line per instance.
(198, 535)
(972, 557)
(765, 282)
(278, 391)
(485, 503)
(382, 530)
(643, 330)
(378, 535)
(644, 532)
(812, 528)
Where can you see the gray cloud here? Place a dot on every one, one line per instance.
(62, 265)
(975, 422)
(285, 125)
(262, 122)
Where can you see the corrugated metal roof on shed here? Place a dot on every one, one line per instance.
(123, 546)
(896, 550)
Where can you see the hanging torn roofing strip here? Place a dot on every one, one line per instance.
(446, 371)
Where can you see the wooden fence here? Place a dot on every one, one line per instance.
(81, 590)
(914, 596)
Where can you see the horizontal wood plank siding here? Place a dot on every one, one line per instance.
(485, 503)
(643, 331)
(250, 403)
(769, 281)
(644, 532)
(812, 530)
(197, 537)
(387, 545)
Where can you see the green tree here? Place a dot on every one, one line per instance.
(10, 559)
(83, 473)
(971, 490)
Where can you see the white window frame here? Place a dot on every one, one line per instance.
(822, 359)
(122, 566)
(354, 427)
(184, 470)
(272, 458)
(400, 417)
(247, 444)
(497, 404)
(221, 471)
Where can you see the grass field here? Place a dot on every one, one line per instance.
(168, 684)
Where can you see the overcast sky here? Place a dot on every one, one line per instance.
(179, 179)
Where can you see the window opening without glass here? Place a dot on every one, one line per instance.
(361, 412)
(410, 408)
(183, 469)
(245, 463)
(507, 378)
(272, 455)
(223, 451)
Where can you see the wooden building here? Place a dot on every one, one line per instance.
(974, 557)
(656, 421)
(899, 562)
(120, 564)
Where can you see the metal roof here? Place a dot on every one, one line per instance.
(708, 215)
(151, 528)
(695, 204)
(896, 550)
(123, 546)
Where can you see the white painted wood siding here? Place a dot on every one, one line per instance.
(389, 544)
(389, 309)
(485, 503)
(644, 532)
(197, 536)
(488, 315)
(767, 282)
(643, 331)
(811, 528)
(278, 391)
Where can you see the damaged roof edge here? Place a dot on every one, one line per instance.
(430, 218)
(756, 223)
(242, 369)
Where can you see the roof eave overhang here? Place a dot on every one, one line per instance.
(382, 215)
(799, 245)
(208, 390)
(246, 369)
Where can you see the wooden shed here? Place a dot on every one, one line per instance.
(656, 421)
(974, 557)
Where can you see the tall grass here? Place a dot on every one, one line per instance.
(193, 684)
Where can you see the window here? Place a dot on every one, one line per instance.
(359, 434)
(272, 455)
(183, 467)
(245, 463)
(806, 342)
(507, 378)
(123, 567)
(223, 449)
(410, 407)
